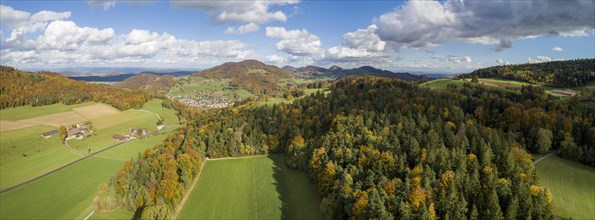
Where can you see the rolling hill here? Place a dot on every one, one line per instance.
(148, 81)
(571, 73)
(252, 75)
(338, 72)
(21, 88)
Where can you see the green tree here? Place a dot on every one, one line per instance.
(544, 140)
(63, 133)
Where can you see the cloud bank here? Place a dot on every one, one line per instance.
(63, 42)
(423, 24)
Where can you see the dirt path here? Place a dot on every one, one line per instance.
(183, 201)
(58, 169)
(546, 156)
(100, 156)
(233, 158)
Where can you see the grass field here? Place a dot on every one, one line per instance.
(440, 84)
(25, 112)
(13, 125)
(502, 84)
(252, 188)
(57, 119)
(572, 185)
(42, 155)
(66, 194)
(96, 111)
(111, 125)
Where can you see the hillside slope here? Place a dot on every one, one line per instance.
(252, 75)
(148, 82)
(571, 73)
(20, 88)
(338, 72)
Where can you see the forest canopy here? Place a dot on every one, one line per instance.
(19, 88)
(418, 153)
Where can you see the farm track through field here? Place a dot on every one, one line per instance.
(183, 201)
(59, 168)
(540, 159)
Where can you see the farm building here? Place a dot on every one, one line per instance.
(75, 131)
(563, 92)
(120, 137)
(49, 133)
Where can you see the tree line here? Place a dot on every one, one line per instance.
(571, 73)
(377, 148)
(19, 88)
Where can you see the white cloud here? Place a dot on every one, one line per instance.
(559, 49)
(23, 23)
(248, 11)
(502, 62)
(365, 39)
(541, 59)
(66, 35)
(244, 29)
(276, 59)
(422, 24)
(295, 42)
(459, 60)
(106, 4)
(64, 43)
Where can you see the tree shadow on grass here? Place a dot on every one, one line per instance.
(298, 197)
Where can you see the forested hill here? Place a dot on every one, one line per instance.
(377, 148)
(18, 88)
(338, 72)
(149, 82)
(252, 75)
(571, 73)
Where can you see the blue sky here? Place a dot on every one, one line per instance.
(446, 36)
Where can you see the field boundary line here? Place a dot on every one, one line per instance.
(99, 156)
(58, 169)
(546, 156)
(183, 201)
(89, 215)
(235, 158)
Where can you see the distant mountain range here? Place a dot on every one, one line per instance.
(338, 72)
(250, 74)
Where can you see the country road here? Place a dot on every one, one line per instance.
(546, 156)
(58, 169)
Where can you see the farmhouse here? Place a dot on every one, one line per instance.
(75, 132)
(49, 133)
(120, 137)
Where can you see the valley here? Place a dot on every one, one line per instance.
(250, 140)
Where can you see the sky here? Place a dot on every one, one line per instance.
(447, 36)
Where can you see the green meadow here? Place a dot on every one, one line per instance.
(24, 112)
(572, 185)
(252, 188)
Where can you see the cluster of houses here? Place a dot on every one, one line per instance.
(203, 101)
(78, 131)
(133, 133)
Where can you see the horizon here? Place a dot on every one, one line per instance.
(443, 37)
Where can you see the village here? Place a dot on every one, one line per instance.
(203, 101)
